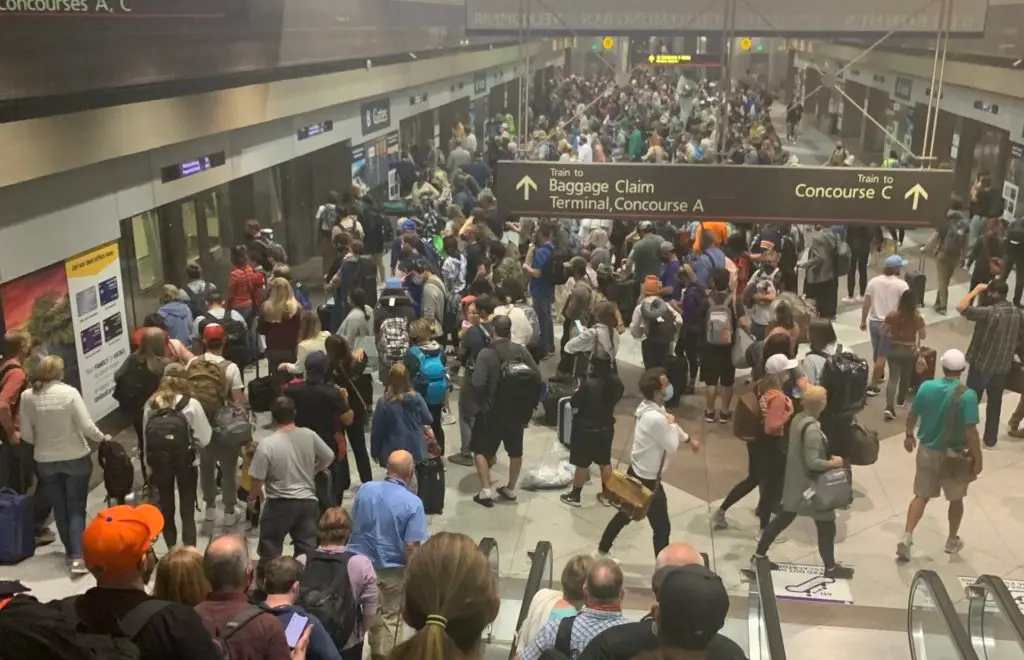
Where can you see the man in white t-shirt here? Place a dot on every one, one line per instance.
(216, 455)
(881, 297)
(586, 152)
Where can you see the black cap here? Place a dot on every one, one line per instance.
(316, 365)
(692, 605)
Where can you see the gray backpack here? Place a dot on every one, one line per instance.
(720, 328)
(232, 426)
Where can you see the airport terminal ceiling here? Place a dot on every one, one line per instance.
(58, 47)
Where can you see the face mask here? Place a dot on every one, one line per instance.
(669, 392)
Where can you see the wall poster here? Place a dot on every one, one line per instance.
(96, 293)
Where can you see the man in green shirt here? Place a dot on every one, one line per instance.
(949, 456)
(636, 145)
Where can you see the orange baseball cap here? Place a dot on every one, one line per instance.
(118, 538)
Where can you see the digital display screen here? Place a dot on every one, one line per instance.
(315, 129)
(190, 167)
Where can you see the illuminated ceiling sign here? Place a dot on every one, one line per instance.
(668, 59)
(114, 8)
(796, 18)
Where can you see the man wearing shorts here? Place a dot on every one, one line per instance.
(881, 298)
(949, 457)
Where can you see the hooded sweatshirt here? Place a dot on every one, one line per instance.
(653, 439)
(398, 424)
(178, 318)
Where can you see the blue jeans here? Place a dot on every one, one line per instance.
(879, 340)
(66, 486)
(992, 386)
(543, 307)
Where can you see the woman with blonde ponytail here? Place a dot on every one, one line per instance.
(450, 599)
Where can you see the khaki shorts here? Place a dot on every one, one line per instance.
(930, 479)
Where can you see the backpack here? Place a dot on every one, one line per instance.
(134, 385)
(531, 316)
(118, 471)
(746, 420)
(197, 301)
(845, 378)
(326, 593)
(394, 339)
(208, 384)
(659, 321)
(452, 313)
(432, 378)
(720, 328)
(168, 437)
(239, 621)
(114, 647)
(329, 218)
(956, 236)
(844, 259)
(562, 649)
(520, 386)
(232, 426)
(555, 268)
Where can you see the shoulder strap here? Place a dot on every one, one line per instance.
(563, 640)
(239, 621)
(7, 368)
(180, 406)
(951, 414)
(139, 616)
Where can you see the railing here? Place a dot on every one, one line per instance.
(764, 630)
(489, 547)
(934, 628)
(994, 620)
(541, 576)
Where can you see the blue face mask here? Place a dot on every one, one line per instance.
(669, 392)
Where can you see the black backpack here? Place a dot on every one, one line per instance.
(563, 641)
(326, 592)
(555, 269)
(520, 385)
(118, 471)
(169, 437)
(236, 338)
(845, 378)
(114, 647)
(134, 384)
(197, 301)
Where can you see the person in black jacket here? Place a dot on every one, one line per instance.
(471, 341)
(593, 425)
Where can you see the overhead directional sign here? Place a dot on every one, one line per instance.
(760, 18)
(745, 193)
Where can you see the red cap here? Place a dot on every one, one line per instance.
(213, 332)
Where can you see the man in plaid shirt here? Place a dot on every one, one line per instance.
(998, 330)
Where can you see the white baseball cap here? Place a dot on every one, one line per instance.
(778, 363)
(953, 360)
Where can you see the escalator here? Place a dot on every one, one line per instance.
(764, 629)
(489, 547)
(934, 628)
(541, 577)
(994, 620)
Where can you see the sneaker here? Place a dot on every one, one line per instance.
(602, 501)
(839, 572)
(849, 300)
(873, 390)
(77, 568)
(487, 502)
(44, 537)
(710, 416)
(690, 387)
(903, 550)
(447, 418)
(725, 417)
(230, 519)
(901, 402)
(954, 545)
(598, 554)
(571, 499)
(506, 493)
(211, 514)
(890, 414)
(461, 459)
(719, 521)
(772, 566)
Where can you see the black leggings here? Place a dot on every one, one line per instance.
(859, 264)
(164, 480)
(356, 436)
(436, 426)
(688, 346)
(826, 536)
(897, 234)
(766, 470)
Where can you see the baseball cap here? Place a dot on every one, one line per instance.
(406, 225)
(778, 363)
(316, 364)
(895, 261)
(646, 225)
(953, 360)
(118, 538)
(692, 605)
(213, 332)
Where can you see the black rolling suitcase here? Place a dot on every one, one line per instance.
(917, 282)
(556, 392)
(430, 484)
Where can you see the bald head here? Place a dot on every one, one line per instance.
(678, 554)
(604, 583)
(400, 464)
(226, 563)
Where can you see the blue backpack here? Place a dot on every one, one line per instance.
(431, 378)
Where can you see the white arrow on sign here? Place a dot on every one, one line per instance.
(918, 192)
(526, 183)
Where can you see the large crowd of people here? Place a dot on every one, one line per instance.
(453, 331)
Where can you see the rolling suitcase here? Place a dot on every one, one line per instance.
(917, 282)
(565, 420)
(17, 532)
(430, 485)
(926, 358)
(556, 392)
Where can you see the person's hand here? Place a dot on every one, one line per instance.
(299, 652)
(980, 288)
(909, 442)
(429, 432)
(620, 329)
(344, 393)
(284, 366)
(252, 497)
(863, 326)
(106, 438)
(358, 355)
(671, 418)
(695, 445)
(836, 462)
(15, 438)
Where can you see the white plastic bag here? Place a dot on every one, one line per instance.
(554, 470)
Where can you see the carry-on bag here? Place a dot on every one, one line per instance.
(430, 485)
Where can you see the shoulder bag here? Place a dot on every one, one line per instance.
(833, 488)
(624, 491)
(956, 464)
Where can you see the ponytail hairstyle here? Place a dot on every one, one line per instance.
(450, 598)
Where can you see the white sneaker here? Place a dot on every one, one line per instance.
(849, 300)
(211, 514)
(230, 519)
(903, 549)
(447, 418)
(605, 555)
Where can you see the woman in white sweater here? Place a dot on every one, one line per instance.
(55, 421)
(312, 339)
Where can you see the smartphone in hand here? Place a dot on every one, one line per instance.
(296, 626)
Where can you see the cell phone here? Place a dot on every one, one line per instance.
(579, 325)
(296, 626)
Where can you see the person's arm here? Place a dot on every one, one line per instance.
(342, 409)
(415, 532)
(968, 415)
(865, 309)
(966, 308)
(377, 432)
(10, 392)
(323, 453)
(636, 324)
(814, 447)
(664, 433)
(544, 640)
(201, 429)
(83, 422)
(582, 343)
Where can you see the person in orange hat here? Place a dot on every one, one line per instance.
(117, 547)
(655, 324)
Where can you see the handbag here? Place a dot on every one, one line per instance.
(957, 464)
(739, 348)
(833, 488)
(625, 492)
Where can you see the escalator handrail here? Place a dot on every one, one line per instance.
(487, 546)
(769, 609)
(1003, 599)
(543, 559)
(944, 604)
